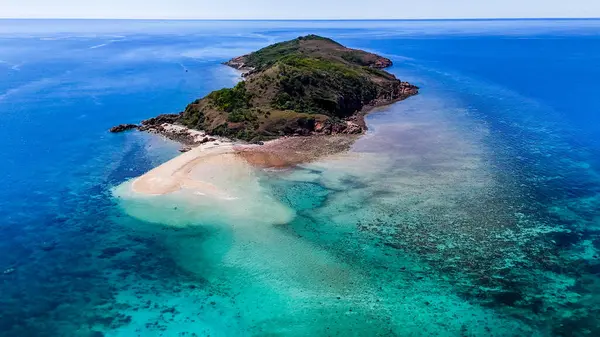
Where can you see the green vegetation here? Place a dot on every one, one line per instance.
(231, 99)
(313, 37)
(234, 101)
(378, 72)
(354, 57)
(292, 85)
(193, 116)
(315, 85)
(312, 64)
(271, 54)
(268, 56)
(241, 115)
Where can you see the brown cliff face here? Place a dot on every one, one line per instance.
(238, 63)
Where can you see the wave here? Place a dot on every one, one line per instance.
(31, 86)
(12, 66)
(105, 44)
(98, 46)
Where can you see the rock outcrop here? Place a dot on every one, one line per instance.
(122, 127)
(158, 121)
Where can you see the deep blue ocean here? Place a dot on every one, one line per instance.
(480, 215)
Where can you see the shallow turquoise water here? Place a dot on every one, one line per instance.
(469, 210)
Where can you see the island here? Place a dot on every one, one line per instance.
(307, 86)
(298, 101)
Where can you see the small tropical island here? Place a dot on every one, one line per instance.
(307, 86)
(299, 101)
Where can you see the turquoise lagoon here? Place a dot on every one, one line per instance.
(472, 209)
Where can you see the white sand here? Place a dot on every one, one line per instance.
(195, 170)
(209, 184)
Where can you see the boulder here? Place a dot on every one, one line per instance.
(122, 127)
(382, 62)
(159, 120)
(353, 128)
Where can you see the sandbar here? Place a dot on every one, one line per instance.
(212, 169)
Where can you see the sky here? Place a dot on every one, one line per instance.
(299, 9)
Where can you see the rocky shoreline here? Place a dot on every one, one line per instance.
(166, 125)
(169, 126)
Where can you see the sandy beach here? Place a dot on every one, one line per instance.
(198, 169)
(210, 169)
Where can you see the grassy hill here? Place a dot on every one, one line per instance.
(307, 85)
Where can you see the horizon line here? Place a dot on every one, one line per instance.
(319, 19)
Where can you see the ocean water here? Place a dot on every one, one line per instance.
(472, 209)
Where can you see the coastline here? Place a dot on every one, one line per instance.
(200, 149)
(472, 209)
(198, 168)
(176, 173)
(296, 102)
